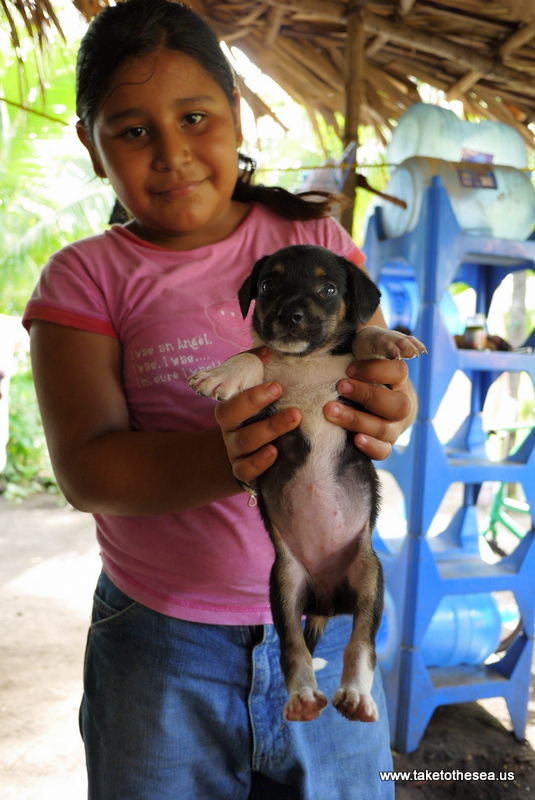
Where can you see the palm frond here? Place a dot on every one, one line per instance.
(40, 22)
(37, 16)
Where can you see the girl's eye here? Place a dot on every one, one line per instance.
(135, 133)
(193, 119)
(267, 285)
(328, 288)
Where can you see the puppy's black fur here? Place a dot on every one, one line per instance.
(319, 500)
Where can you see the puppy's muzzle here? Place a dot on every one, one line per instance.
(291, 316)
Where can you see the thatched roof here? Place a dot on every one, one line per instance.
(479, 51)
(365, 58)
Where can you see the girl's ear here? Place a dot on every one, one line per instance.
(84, 138)
(236, 112)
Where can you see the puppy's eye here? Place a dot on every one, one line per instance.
(328, 288)
(267, 285)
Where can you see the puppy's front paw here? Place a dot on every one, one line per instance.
(229, 379)
(304, 705)
(216, 383)
(375, 342)
(355, 706)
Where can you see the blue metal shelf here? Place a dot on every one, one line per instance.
(419, 569)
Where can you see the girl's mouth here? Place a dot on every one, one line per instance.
(182, 189)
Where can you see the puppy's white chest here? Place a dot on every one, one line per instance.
(308, 384)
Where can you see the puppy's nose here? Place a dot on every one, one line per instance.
(293, 315)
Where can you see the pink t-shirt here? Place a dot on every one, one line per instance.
(176, 312)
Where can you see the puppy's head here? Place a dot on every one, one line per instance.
(307, 297)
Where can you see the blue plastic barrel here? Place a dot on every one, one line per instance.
(487, 200)
(465, 629)
(387, 639)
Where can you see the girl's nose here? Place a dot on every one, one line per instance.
(172, 150)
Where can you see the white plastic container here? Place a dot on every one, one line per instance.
(436, 132)
(487, 200)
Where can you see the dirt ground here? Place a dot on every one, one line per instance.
(48, 567)
(470, 738)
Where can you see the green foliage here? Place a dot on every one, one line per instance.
(28, 466)
(49, 197)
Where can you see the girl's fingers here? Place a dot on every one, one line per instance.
(375, 449)
(380, 370)
(249, 448)
(231, 414)
(374, 435)
(390, 403)
(248, 469)
(385, 408)
(362, 422)
(245, 441)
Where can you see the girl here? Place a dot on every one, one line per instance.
(183, 694)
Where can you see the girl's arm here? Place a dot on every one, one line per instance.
(103, 466)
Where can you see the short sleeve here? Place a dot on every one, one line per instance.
(68, 294)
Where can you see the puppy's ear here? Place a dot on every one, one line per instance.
(362, 293)
(249, 288)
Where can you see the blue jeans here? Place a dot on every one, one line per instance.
(175, 710)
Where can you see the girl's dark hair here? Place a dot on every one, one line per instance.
(135, 28)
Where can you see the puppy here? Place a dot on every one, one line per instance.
(319, 500)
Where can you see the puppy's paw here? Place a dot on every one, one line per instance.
(375, 342)
(216, 383)
(355, 706)
(304, 705)
(229, 379)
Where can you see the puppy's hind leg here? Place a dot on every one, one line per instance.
(288, 587)
(353, 699)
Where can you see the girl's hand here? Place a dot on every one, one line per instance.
(250, 449)
(383, 388)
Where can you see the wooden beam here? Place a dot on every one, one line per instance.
(500, 112)
(354, 97)
(377, 44)
(521, 37)
(274, 20)
(411, 37)
(405, 7)
(328, 10)
(306, 54)
(463, 85)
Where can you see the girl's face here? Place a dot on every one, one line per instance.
(167, 138)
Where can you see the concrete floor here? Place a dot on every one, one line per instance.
(49, 564)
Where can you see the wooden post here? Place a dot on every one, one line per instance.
(354, 96)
